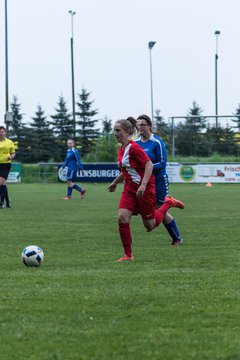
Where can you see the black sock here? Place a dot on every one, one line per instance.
(1, 195)
(5, 194)
(7, 198)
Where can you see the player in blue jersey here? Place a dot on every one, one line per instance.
(73, 163)
(155, 148)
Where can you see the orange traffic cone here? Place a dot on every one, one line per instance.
(208, 184)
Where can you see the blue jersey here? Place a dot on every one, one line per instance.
(72, 160)
(156, 150)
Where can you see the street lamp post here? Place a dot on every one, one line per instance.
(217, 33)
(72, 13)
(8, 118)
(150, 46)
(6, 65)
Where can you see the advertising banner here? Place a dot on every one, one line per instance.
(15, 174)
(177, 173)
(98, 172)
(218, 173)
(203, 173)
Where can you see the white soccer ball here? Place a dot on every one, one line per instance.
(62, 173)
(32, 256)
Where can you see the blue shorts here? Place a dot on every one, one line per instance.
(162, 189)
(71, 174)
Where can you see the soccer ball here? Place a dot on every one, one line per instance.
(32, 256)
(62, 173)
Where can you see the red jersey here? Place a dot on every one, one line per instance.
(132, 160)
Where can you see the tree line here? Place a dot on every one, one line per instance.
(44, 138)
(195, 136)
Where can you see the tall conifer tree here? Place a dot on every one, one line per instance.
(86, 123)
(42, 137)
(62, 127)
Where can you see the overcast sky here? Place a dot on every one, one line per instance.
(111, 56)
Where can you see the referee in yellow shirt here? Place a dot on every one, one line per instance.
(7, 153)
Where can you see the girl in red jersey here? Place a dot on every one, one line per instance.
(138, 195)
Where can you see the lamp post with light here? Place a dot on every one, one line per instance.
(8, 114)
(150, 46)
(72, 13)
(217, 33)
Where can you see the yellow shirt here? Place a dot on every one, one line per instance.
(6, 148)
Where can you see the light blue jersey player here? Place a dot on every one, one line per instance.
(155, 148)
(73, 163)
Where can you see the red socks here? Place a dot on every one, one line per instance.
(161, 212)
(126, 238)
(125, 232)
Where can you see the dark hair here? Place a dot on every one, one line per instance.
(2, 128)
(147, 119)
(129, 125)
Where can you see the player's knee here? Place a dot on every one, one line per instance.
(122, 219)
(149, 225)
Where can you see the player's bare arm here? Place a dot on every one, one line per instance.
(146, 177)
(113, 185)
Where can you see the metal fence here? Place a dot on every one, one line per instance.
(211, 120)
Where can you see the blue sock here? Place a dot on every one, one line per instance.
(76, 187)
(173, 230)
(69, 191)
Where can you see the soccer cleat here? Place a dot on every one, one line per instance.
(9, 205)
(177, 242)
(175, 203)
(1, 205)
(67, 198)
(83, 192)
(125, 258)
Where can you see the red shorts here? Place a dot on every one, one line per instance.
(145, 206)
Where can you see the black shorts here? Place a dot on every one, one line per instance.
(4, 170)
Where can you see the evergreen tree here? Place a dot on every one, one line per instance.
(42, 139)
(62, 127)
(107, 126)
(161, 128)
(237, 121)
(225, 144)
(107, 129)
(17, 129)
(24, 153)
(86, 130)
(16, 125)
(190, 138)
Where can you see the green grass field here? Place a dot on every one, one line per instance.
(169, 304)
